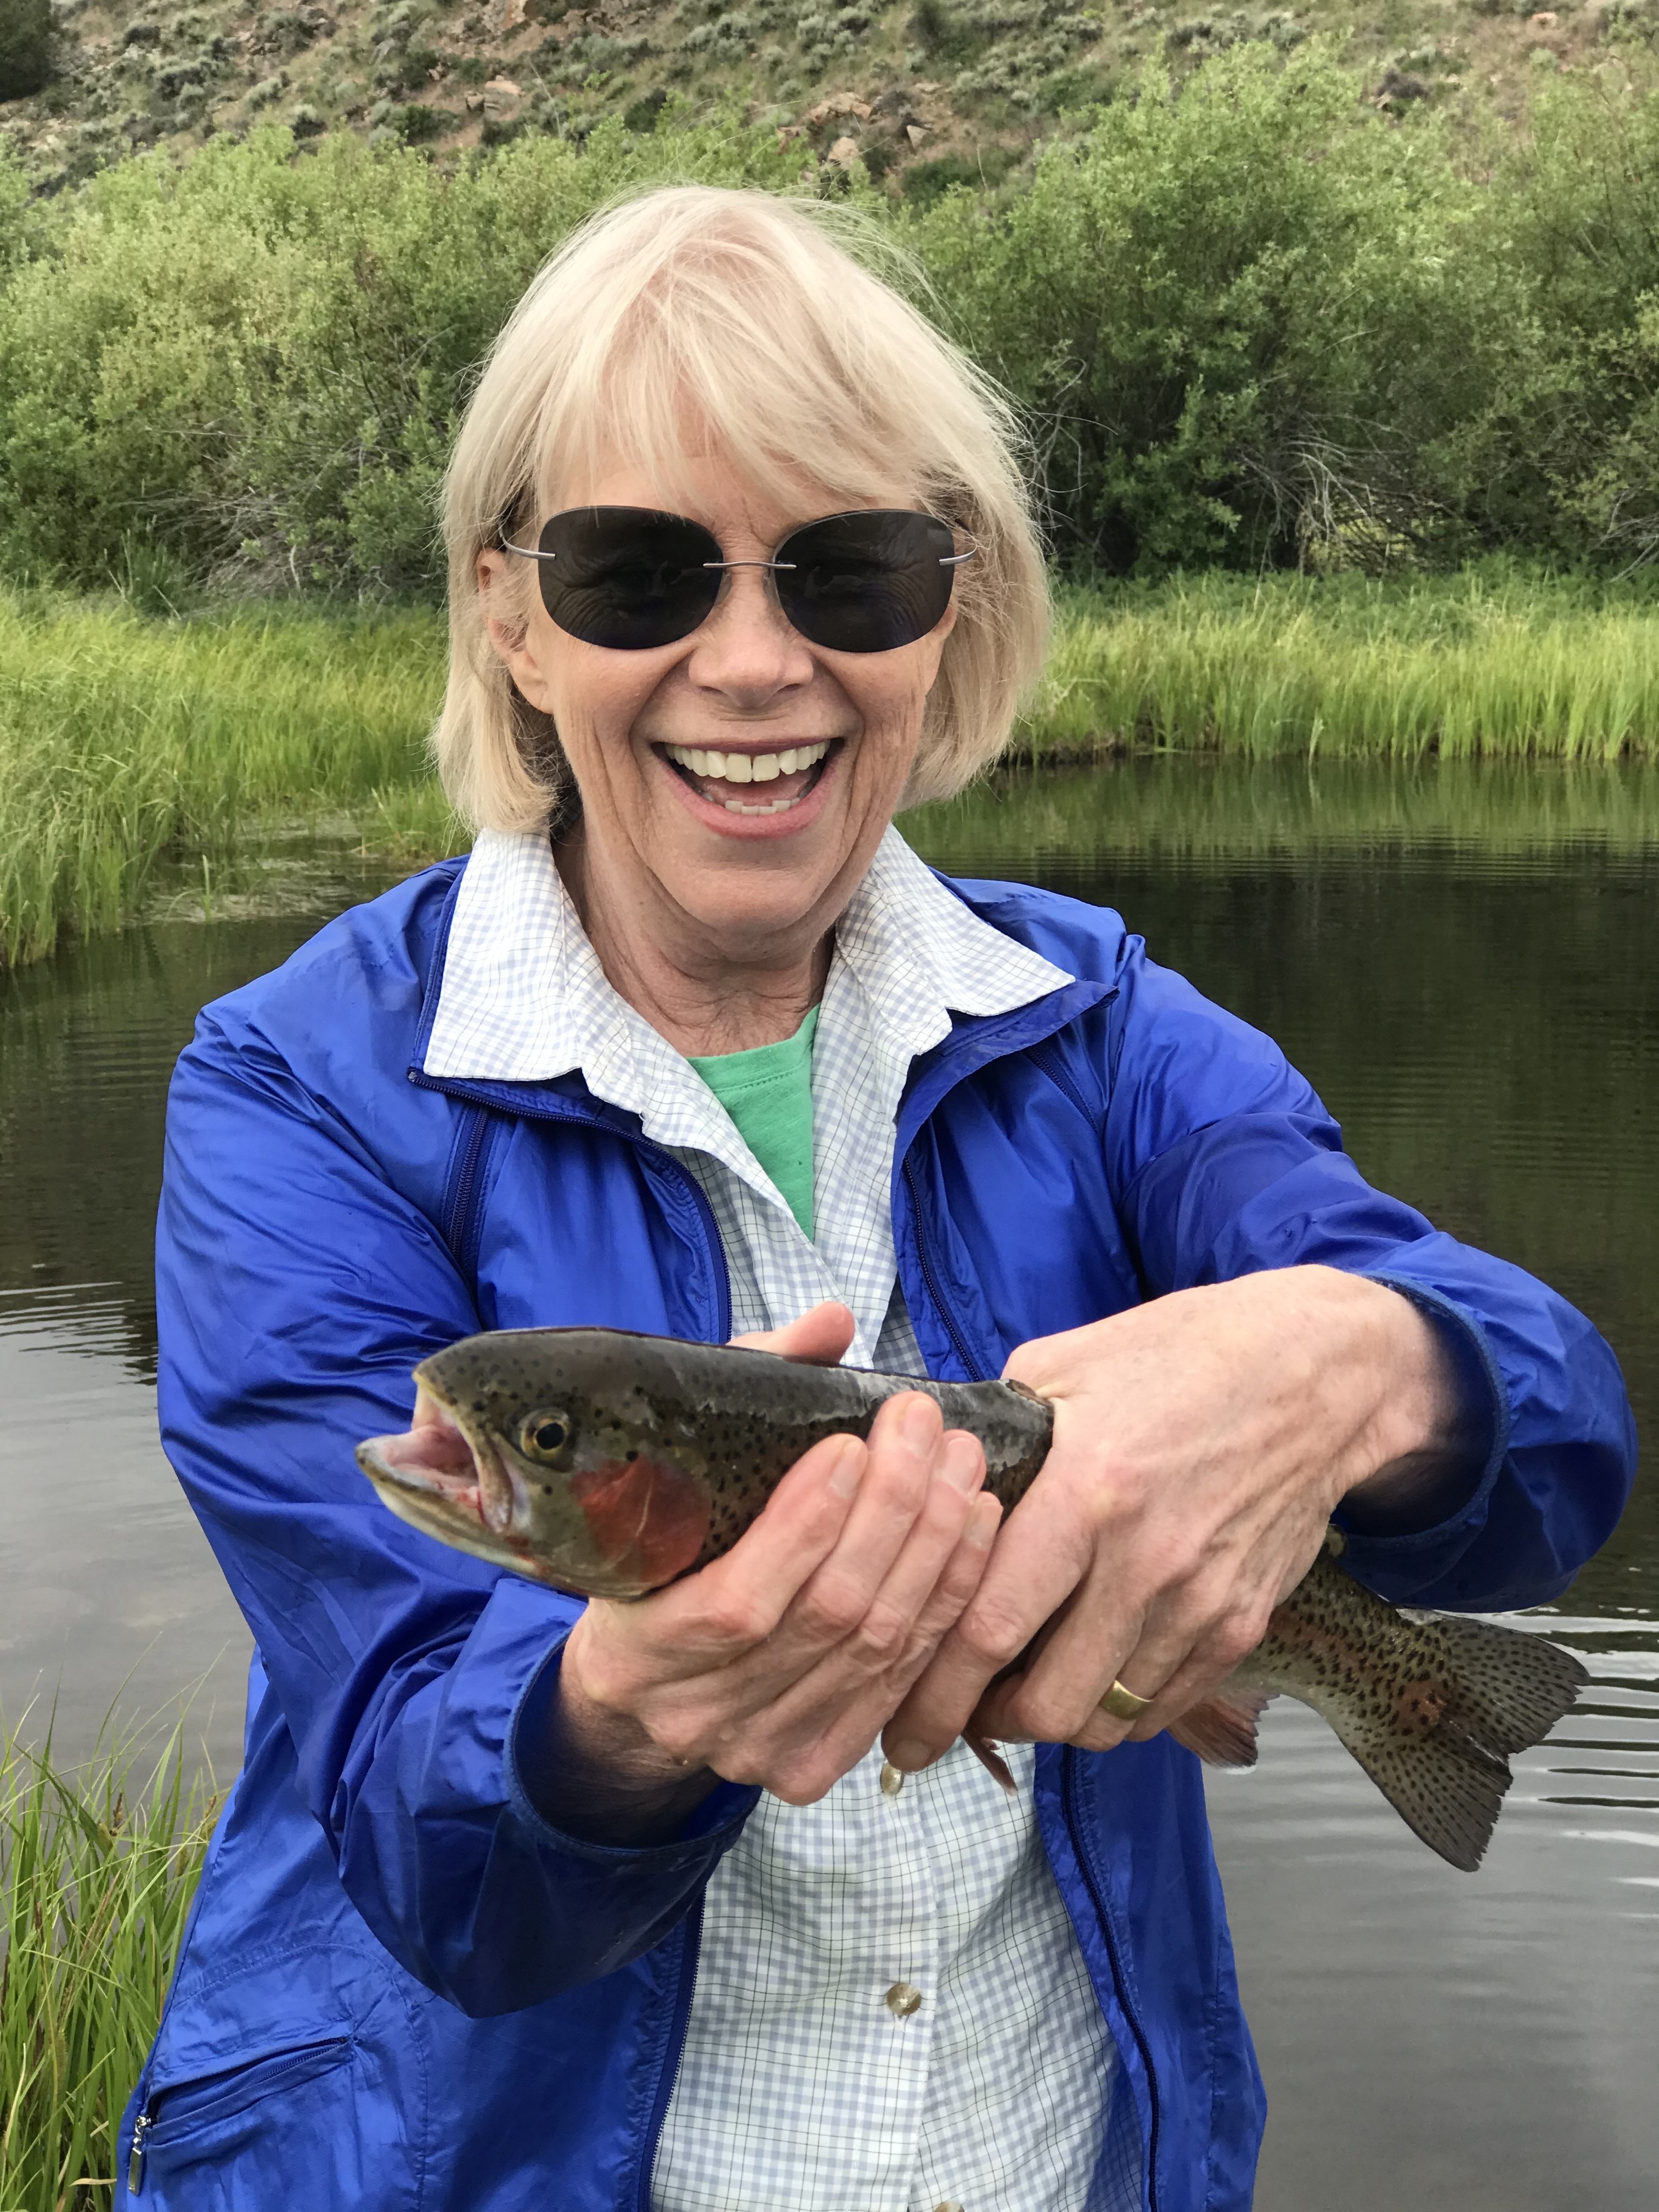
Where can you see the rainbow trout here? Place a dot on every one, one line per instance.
(607, 1464)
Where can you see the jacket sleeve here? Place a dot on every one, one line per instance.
(1223, 1160)
(296, 1288)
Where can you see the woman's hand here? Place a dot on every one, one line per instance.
(779, 1664)
(1201, 1441)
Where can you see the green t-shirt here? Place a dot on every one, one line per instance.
(767, 1091)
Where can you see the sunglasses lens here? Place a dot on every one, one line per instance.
(866, 582)
(627, 577)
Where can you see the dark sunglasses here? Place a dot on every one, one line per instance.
(628, 577)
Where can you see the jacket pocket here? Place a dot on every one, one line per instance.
(275, 2101)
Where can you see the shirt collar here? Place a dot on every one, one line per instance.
(523, 997)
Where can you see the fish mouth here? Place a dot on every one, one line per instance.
(439, 1465)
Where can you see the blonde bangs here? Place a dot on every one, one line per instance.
(696, 319)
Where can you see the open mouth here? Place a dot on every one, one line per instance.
(753, 783)
(437, 1460)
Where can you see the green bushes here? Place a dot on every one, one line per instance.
(1252, 322)
(1240, 310)
(27, 34)
(261, 360)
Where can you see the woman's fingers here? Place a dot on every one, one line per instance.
(819, 1337)
(906, 1444)
(811, 1735)
(1029, 1578)
(713, 1617)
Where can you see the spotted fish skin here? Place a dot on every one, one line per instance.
(1432, 1705)
(606, 1464)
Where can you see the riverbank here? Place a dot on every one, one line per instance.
(97, 1866)
(139, 754)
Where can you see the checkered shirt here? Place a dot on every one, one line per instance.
(798, 2086)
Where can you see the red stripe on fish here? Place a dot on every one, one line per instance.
(647, 1521)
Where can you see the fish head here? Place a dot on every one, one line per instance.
(548, 1451)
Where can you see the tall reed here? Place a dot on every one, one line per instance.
(128, 744)
(123, 742)
(97, 1871)
(1486, 665)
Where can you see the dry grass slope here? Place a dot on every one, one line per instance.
(923, 93)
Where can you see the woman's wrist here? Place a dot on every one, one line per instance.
(1421, 1445)
(600, 1778)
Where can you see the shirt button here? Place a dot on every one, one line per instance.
(903, 1999)
(948, 2205)
(892, 1779)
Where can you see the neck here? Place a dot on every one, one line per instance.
(703, 997)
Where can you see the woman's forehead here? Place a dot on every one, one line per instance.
(714, 485)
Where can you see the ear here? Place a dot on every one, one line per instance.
(933, 644)
(515, 638)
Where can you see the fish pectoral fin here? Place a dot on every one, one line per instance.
(1222, 1729)
(990, 1758)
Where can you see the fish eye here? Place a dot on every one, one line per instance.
(544, 1436)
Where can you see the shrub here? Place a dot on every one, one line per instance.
(26, 39)
(265, 360)
(1241, 312)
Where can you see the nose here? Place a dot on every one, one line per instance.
(747, 650)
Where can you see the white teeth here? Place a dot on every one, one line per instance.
(778, 806)
(748, 767)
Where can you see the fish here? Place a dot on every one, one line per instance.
(607, 1464)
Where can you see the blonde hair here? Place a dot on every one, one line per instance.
(746, 314)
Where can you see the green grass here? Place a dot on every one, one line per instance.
(1487, 665)
(97, 1870)
(136, 753)
(126, 742)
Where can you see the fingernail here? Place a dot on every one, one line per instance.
(849, 1470)
(983, 1521)
(911, 1755)
(919, 1422)
(964, 1465)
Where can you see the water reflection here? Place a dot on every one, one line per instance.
(1465, 964)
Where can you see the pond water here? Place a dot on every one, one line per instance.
(1467, 967)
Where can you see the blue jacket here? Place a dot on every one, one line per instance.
(402, 1985)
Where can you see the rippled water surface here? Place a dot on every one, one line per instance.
(1467, 966)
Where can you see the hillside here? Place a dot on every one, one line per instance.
(922, 92)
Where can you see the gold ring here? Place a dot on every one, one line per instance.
(1123, 1705)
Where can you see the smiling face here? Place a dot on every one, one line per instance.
(735, 784)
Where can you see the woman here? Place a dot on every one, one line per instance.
(517, 1903)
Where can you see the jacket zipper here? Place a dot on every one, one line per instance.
(671, 2076)
(141, 2128)
(713, 1250)
(940, 1305)
(1073, 1826)
(458, 1213)
(1114, 1953)
(314, 2058)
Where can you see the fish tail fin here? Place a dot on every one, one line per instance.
(1439, 1750)
(1221, 1729)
